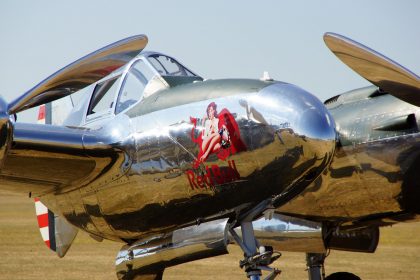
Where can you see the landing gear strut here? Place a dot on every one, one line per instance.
(255, 260)
(315, 265)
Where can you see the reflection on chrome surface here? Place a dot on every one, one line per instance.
(151, 256)
(286, 233)
(162, 166)
(373, 175)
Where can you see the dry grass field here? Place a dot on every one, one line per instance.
(24, 256)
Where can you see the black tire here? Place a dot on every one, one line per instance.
(342, 276)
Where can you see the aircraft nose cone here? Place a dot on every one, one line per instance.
(300, 111)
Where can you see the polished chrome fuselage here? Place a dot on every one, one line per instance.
(134, 174)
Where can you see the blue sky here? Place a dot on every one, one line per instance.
(216, 39)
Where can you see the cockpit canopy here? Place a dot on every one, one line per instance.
(148, 73)
(167, 66)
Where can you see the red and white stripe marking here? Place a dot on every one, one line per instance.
(42, 217)
(41, 114)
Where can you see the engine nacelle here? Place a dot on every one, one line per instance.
(6, 131)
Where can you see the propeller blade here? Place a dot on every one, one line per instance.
(80, 73)
(6, 131)
(376, 68)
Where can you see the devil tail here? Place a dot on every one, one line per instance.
(193, 138)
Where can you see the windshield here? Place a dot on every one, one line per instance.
(103, 96)
(134, 85)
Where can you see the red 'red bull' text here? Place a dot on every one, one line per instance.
(215, 175)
